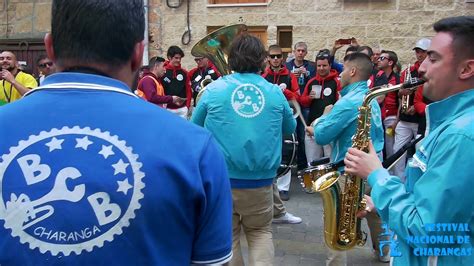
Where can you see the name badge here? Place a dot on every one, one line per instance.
(198, 78)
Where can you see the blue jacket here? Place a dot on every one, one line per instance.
(92, 175)
(439, 183)
(338, 126)
(247, 116)
(310, 67)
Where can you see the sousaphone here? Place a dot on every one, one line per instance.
(216, 46)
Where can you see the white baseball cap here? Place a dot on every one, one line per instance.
(423, 44)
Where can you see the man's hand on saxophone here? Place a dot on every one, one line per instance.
(369, 207)
(360, 163)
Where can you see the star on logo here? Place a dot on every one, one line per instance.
(83, 143)
(123, 186)
(55, 144)
(120, 167)
(106, 151)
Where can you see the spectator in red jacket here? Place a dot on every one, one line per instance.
(320, 91)
(176, 82)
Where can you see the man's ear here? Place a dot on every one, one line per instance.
(48, 43)
(137, 56)
(353, 71)
(467, 69)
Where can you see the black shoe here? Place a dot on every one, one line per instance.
(284, 195)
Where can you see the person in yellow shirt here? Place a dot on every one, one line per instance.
(14, 83)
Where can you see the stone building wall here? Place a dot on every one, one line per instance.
(24, 19)
(389, 24)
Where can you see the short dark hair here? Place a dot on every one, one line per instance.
(40, 57)
(98, 31)
(274, 47)
(174, 50)
(155, 61)
(362, 62)
(365, 47)
(352, 49)
(247, 54)
(462, 31)
(391, 56)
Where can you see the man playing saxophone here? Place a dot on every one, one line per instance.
(339, 122)
(437, 195)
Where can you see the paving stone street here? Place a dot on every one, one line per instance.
(303, 244)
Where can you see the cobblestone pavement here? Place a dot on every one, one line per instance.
(303, 244)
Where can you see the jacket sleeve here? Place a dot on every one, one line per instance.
(289, 122)
(304, 98)
(294, 87)
(442, 194)
(189, 93)
(418, 103)
(148, 87)
(200, 111)
(331, 125)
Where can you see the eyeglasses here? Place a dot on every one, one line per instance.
(275, 56)
(198, 59)
(45, 64)
(383, 58)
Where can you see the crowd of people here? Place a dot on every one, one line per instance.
(91, 172)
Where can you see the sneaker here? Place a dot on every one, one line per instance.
(309, 190)
(288, 218)
(284, 195)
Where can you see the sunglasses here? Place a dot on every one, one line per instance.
(45, 64)
(275, 56)
(383, 58)
(322, 56)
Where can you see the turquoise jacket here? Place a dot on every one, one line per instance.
(338, 126)
(438, 187)
(247, 115)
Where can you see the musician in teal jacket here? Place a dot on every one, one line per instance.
(437, 198)
(248, 116)
(339, 123)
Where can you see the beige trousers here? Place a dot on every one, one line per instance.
(253, 212)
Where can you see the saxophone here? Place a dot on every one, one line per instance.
(342, 228)
(405, 103)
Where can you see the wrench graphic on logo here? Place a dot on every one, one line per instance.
(59, 192)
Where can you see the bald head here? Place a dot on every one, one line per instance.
(8, 61)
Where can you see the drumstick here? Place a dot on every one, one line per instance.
(296, 105)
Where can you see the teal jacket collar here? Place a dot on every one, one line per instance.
(356, 86)
(455, 105)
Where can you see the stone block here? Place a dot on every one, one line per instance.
(404, 30)
(42, 17)
(23, 26)
(355, 5)
(353, 31)
(374, 19)
(301, 5)
(329, 5)
(439, 5)
(411, 4)
(381, 31)
(24, 10)
(383, 5)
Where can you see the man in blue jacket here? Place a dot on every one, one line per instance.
(248, 116)
(86, 178)
(339, 122)
(436, 201)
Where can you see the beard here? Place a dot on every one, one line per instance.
(8, 67)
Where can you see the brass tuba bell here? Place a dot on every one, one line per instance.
(215, 46)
